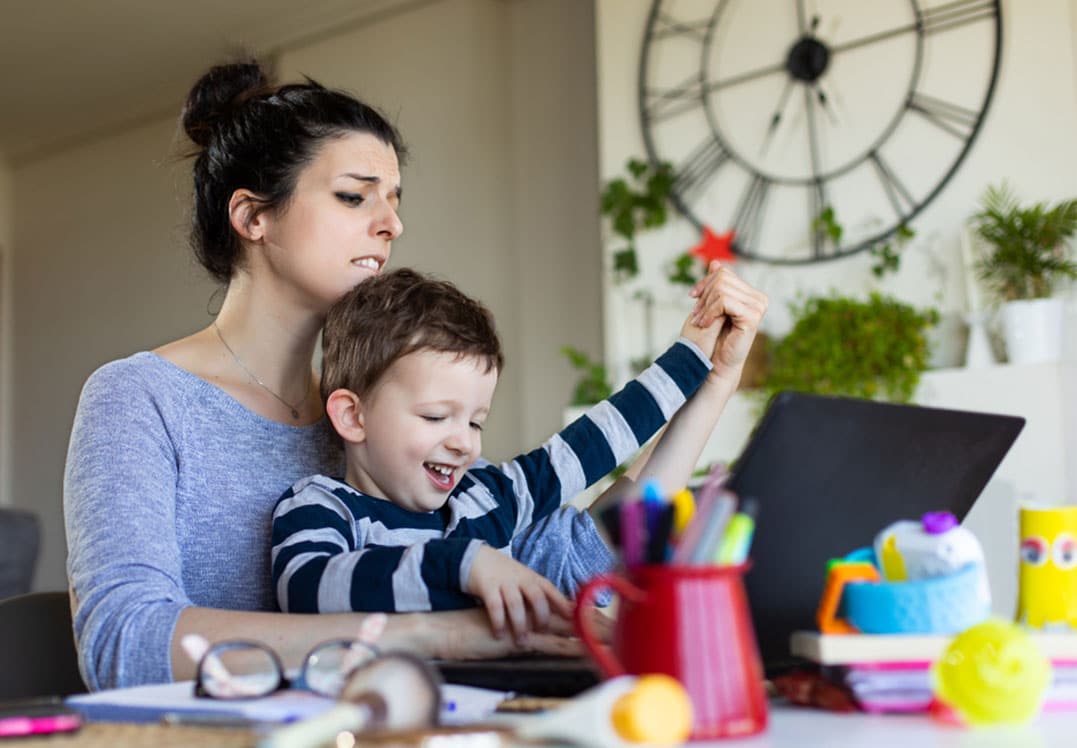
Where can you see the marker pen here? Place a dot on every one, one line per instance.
(38, 725)
(713, 531)
(652, 492)
(684, 507)
(738, 535)
(633, 533)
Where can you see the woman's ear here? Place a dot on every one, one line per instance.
(345, 411)
(244, 215)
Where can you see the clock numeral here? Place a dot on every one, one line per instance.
(668, 27)
(952, 15)
(896, 192)
(931, 20)
(749, 214)
(663, 103)
(956, 120)
(698, 169)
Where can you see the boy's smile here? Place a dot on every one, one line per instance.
(422, 428)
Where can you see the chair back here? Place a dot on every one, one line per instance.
(37, 647)
(20, 537)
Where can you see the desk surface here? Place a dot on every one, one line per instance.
(811, 728)
(122, 735)
(789, 726)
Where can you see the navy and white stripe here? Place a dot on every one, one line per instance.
(335, 549)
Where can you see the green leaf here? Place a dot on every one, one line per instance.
(841, 346)
(593, 385)
(625, 264)
(1029, 248)
(682, 270)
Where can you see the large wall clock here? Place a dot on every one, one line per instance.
(773, 111)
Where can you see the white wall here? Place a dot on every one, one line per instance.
(102, 270)
(1028, 138)
(499, 197)
(7, 233)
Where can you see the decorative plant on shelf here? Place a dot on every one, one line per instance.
(593, 385)
(633, 203)
(841, 346)
(1029, 251)
(885, 252)
(1027, 254)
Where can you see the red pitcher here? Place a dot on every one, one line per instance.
(690, 622)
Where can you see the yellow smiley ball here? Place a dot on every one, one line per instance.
(992, 673)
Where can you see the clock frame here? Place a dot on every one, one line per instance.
(685, 114)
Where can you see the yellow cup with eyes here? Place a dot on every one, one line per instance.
(1047, 591)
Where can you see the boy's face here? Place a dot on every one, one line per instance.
(422, 428)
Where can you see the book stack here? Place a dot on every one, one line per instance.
(892, 672)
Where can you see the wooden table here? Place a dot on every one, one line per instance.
(122, 734)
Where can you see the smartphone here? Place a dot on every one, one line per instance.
(37, 717)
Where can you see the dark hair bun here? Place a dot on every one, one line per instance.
(215, 93)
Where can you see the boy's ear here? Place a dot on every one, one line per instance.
(246, 220)
(345, 411)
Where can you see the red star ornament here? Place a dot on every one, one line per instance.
(714, 247)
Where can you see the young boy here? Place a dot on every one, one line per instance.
(409, 369)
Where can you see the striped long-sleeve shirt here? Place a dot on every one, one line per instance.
(336, 549)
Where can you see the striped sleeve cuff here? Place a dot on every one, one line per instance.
(467, 560)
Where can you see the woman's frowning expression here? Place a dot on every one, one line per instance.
(338, 227)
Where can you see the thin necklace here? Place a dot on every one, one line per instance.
(259, 382)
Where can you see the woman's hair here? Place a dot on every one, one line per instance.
(386, 317)
(252, 134)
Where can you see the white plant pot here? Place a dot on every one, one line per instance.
(1032, 330)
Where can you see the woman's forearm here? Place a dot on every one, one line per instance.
(292, 635)
(676, 452)
(455, 634)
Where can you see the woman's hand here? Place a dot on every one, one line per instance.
(465, 635)
(737, 308)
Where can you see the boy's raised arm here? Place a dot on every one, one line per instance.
(731, 309)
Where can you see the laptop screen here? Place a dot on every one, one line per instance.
(829, 473)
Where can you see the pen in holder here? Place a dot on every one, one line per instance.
(692, 623)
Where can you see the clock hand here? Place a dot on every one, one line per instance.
(824, 103)
(776, 118)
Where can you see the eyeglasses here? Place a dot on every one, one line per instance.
(247, 670)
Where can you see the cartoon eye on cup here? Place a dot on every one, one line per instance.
(1064, 551)
(1034, 551)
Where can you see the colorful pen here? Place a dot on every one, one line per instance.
(659, 528)
(38, 725)
(652, 492)
(713, 529)
(633, 533)
(684, 507)
(738, 535)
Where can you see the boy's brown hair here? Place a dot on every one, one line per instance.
(393, 314)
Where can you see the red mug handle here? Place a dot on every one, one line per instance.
(602, 655)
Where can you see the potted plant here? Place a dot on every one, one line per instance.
(873, 349)
(1027, 252)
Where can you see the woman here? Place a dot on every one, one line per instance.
(178, 455)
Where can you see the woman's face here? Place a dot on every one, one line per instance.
(338, 228)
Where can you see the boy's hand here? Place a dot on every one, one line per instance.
(509, 589)
(726, 318)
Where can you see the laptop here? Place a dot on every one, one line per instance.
(828, 473)
(831, 472)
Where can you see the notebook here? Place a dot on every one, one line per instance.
(859, 649)
(830, 472)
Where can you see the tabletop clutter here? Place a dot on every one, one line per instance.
(904, 625)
